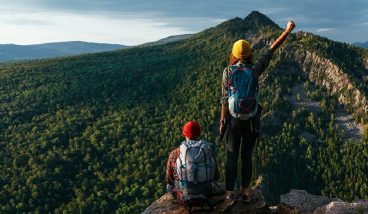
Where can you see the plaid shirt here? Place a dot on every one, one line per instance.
(171, 174)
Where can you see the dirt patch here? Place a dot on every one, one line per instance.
(344, 120)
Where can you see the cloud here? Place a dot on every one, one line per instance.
(274, 10)
(22, 19)
(175, 17)
(320, 30)
(64, 26)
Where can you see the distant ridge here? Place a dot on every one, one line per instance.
(361, 44)
(13, 52)
(168, 39)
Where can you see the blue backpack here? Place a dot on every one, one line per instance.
(243, 92)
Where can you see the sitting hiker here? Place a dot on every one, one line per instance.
(191, 168)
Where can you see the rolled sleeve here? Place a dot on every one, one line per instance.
(263, 63)
(171, 166)
(224, 87)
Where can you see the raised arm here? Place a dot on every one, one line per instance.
(282, 37)
(261, 65)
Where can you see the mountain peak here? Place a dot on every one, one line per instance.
(259, 20)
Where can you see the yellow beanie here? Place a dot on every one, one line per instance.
(241, 49)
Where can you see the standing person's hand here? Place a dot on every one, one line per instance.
(290, 26)
(222, 126)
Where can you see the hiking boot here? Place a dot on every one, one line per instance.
(216, 189)
(246, 195)
(229, 201)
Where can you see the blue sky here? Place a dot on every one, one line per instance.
(135, 22)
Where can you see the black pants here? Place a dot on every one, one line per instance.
(241, 137)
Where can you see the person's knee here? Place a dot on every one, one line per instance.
(232, 155)
(230, 148)
(248, 154)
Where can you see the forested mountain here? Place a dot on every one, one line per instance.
(93, 132)
(11, 52)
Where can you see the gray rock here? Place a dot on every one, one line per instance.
(305, 202)
(343, 208)
(166, 205)
(294, 202)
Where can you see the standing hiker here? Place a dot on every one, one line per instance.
(191, 169)
(240, 112)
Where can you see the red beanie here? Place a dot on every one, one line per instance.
(192, 130)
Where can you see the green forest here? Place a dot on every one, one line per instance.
(92, 133)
